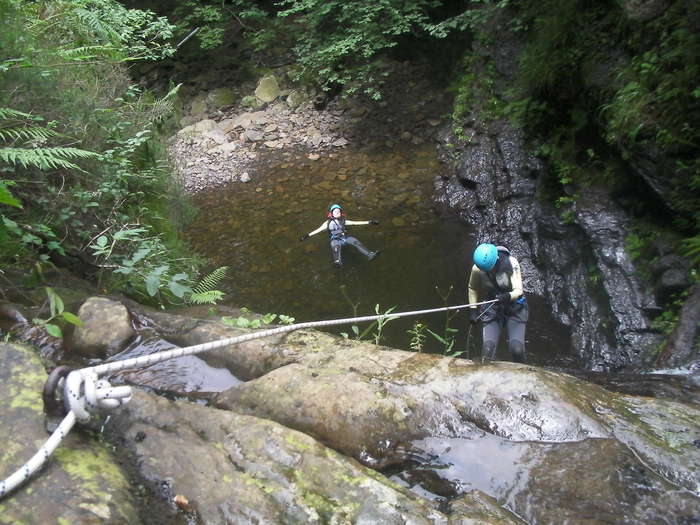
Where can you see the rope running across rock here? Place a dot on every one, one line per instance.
(84, 393)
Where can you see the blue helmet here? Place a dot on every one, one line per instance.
(485, 256)
(334, 206)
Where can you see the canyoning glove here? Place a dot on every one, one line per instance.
(503, 297)
(304, 237)
(374, 221)
(473, 315)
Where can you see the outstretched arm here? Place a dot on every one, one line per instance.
(319, 229)
(371, 221)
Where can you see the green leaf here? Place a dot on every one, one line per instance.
(7, 198)
(268, 318)
(54, 331)
(72, 319)
(128, 234)
(242, 322)
(55, 302)
(152, 283)
(178, 289)
(438, 337)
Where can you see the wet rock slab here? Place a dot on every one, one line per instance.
(230, 468)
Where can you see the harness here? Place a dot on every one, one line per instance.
(503, 266)
(337, 232)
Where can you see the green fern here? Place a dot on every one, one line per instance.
(210, 297)
(91, 19)
(9, 113)
(78, 54)
(691, 249)
(44, 158)
(25, 133)
(204, 291)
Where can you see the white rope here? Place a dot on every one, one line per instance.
(84, 393)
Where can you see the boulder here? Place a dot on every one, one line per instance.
(222, 97)
(106, 328)
(268, 89)
(198, 107)
(295, 99)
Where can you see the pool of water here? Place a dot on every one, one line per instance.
(254, 229)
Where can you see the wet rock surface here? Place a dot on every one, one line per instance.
(233, 468)
(577, 259)
(106, 328)
(474, 443)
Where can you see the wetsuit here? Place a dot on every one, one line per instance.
(340, 236)
(504, 277)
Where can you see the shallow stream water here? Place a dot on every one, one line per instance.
(254, 229)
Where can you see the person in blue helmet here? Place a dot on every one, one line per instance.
(337, 224)
(496, 275)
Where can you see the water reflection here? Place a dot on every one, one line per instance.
(182, 375)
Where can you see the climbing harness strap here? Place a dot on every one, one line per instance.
(338, 233)
(84, 393)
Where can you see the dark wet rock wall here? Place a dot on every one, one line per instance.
(579, 264)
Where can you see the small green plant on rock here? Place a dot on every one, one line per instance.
(267, 319)
(417, 336)
(56, 308)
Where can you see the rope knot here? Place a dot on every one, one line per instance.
(84, 394)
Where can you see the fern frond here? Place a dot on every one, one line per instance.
(211, 281)
(44, 158)
(97, 27)
(210, 297)
(691, 248)
(77, 54)
(9, 113)
(26, 133)
(161, 109)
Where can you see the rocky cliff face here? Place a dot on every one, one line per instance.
(577, 260)
(580, 265)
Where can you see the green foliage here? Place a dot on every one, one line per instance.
(211, 20)
(92, 173)
(205, 291)
(341, 43)
(634, 245)
(58, 313)
(265, 320)
(667, 320)
(691, 249)
(104, 29)
(374, 330)
(44, 158)
(417, 336)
